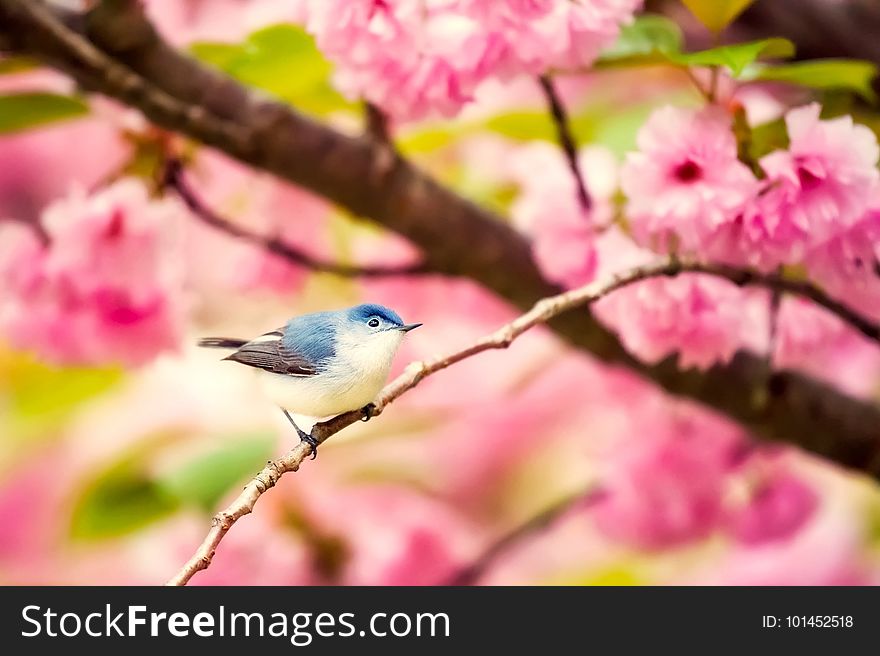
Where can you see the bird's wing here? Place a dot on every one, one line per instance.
(270, 353)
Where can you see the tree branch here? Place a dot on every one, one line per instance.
(566, 140)
(173, 179)
(124, 58)
(845, 28)
(542, 312)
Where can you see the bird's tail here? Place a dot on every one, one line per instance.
(221, 342)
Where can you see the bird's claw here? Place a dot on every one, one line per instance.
(367, 411)
(305, 437)
(311, 441)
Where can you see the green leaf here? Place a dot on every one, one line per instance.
(851, 74)
(717, 14)
(736, 57)
(204, 480)
(660, 43)
(133, 491)
(119, 501)
(647, 35)
(281, 60)
(20, 111)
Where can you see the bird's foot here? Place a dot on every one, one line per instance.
(305, 437)
(367, 411)
(311, 441)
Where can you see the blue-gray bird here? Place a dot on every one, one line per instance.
(325, 363)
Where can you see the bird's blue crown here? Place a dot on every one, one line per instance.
(367, 310)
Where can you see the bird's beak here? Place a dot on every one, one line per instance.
(410, 326)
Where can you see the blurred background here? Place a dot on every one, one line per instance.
(119, 439)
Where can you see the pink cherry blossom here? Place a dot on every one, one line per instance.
(543, 34)
(757, 236)
(548, 210)
(813, 340)
(106, 289)
(827, 549)
(617, 252)
(411, 58)
(685, 180)
(415, 58)
(814, 201)
(664, 485)
(827, 177)
(847, 265)
(779, 503)
(185, 21)
(702, 318)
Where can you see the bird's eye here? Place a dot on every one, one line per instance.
(373, 323)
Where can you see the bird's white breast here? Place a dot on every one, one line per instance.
(351, 380)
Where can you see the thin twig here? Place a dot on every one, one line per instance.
(528, 529)
(541, 312)
(745, 141)
(377, 123)
(173, 179)
(703, 91)
(566, 140)
(378, 129)
(714, 78)
(780, 285)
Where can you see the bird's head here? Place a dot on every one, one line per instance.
(375, 327)
(371, 319)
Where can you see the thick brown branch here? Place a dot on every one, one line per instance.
(542, 312)
(125, 59)
(566, 140)
(819, 28)
(173, 179)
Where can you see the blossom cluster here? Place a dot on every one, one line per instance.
(686, 187)
(814, 205)
(98, 283)
(689, 477)
(418, 57)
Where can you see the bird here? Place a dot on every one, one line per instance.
(324, 363)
